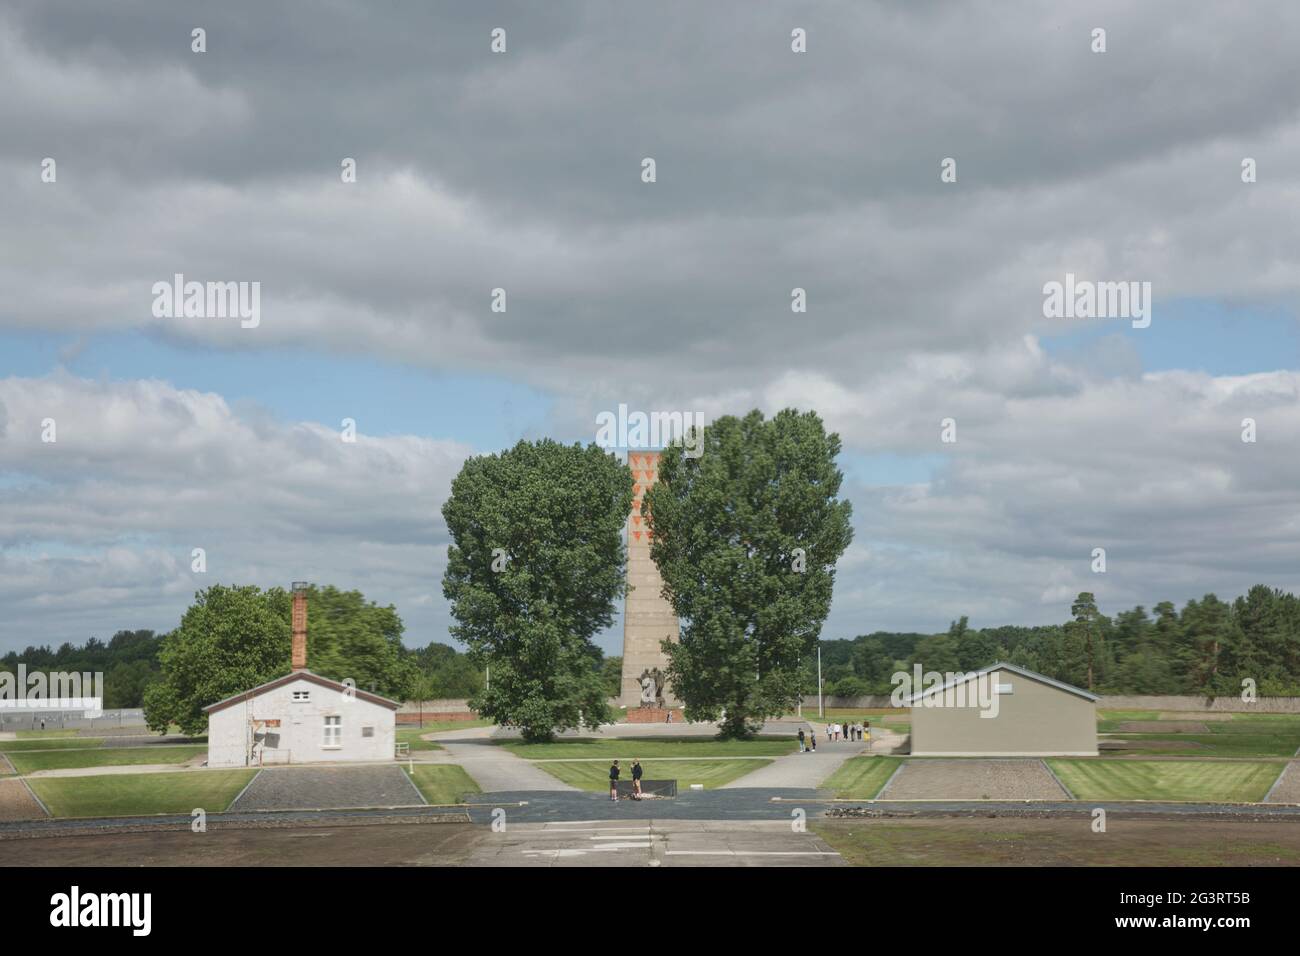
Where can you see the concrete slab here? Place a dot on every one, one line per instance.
(974, 779)
(654, 843)
(328, 788)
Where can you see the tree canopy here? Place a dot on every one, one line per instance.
(533, 573)
(746, 536)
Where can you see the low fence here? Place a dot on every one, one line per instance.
(411, 718)
(445, 705)
(11, 720)
(1186, 702)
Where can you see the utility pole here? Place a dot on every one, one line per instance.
(821, 710)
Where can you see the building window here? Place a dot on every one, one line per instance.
(367, 731)
(333, 732)
(301, 695)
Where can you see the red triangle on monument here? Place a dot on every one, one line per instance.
(638, 535)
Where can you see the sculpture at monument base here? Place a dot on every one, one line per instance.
(652, 688)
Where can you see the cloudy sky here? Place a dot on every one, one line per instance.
(522, 170)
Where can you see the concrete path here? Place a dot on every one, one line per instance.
(495, 768)
(806, 770)
(122, 769)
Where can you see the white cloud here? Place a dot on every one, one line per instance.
(99, 526)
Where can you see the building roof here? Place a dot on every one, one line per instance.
(1015, 669)
(301, 675)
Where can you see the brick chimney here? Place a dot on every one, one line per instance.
(299, 659)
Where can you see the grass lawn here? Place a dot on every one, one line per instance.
(141, 793)
(1227, 744)
(411, 736)
(49, 743)
(643, 747)
(443, 783)
(1241, 735)
(594, 775)
(102, 757)
(437, 726)
(860, 778)
(1227, 781)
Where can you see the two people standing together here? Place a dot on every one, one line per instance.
(614, 773)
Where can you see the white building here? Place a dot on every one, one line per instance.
(300, 718)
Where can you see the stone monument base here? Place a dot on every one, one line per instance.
(652, 715)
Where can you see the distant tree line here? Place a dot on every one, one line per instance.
(1208, 647)
(348, 637)
(128, 661)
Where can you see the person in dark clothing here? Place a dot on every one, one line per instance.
(802, 745)
(636, 779)
(613, 781)
(812, 741)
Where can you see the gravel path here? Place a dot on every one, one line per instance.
(16, 802)
(1287, 788)
(981, 779)
(329, 788)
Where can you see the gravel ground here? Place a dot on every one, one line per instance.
(328, 788)
(973, 780)
(1287, 788)
(5, 765)
(16, 802)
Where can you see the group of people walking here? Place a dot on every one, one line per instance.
(855, 731)
(847, 731)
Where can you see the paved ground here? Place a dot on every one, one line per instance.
(654, 843)
(985, 779)
(195, 764)
(1287, 787)
(17, 803)
(324, 788)
(801, 770)
(494, 768)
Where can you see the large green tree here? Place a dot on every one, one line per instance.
(234, 638)
(230, 639)
(746, 536)
(533, 573)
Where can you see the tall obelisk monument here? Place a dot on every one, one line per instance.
(647, 617)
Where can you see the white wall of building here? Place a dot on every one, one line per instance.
(301, 734)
